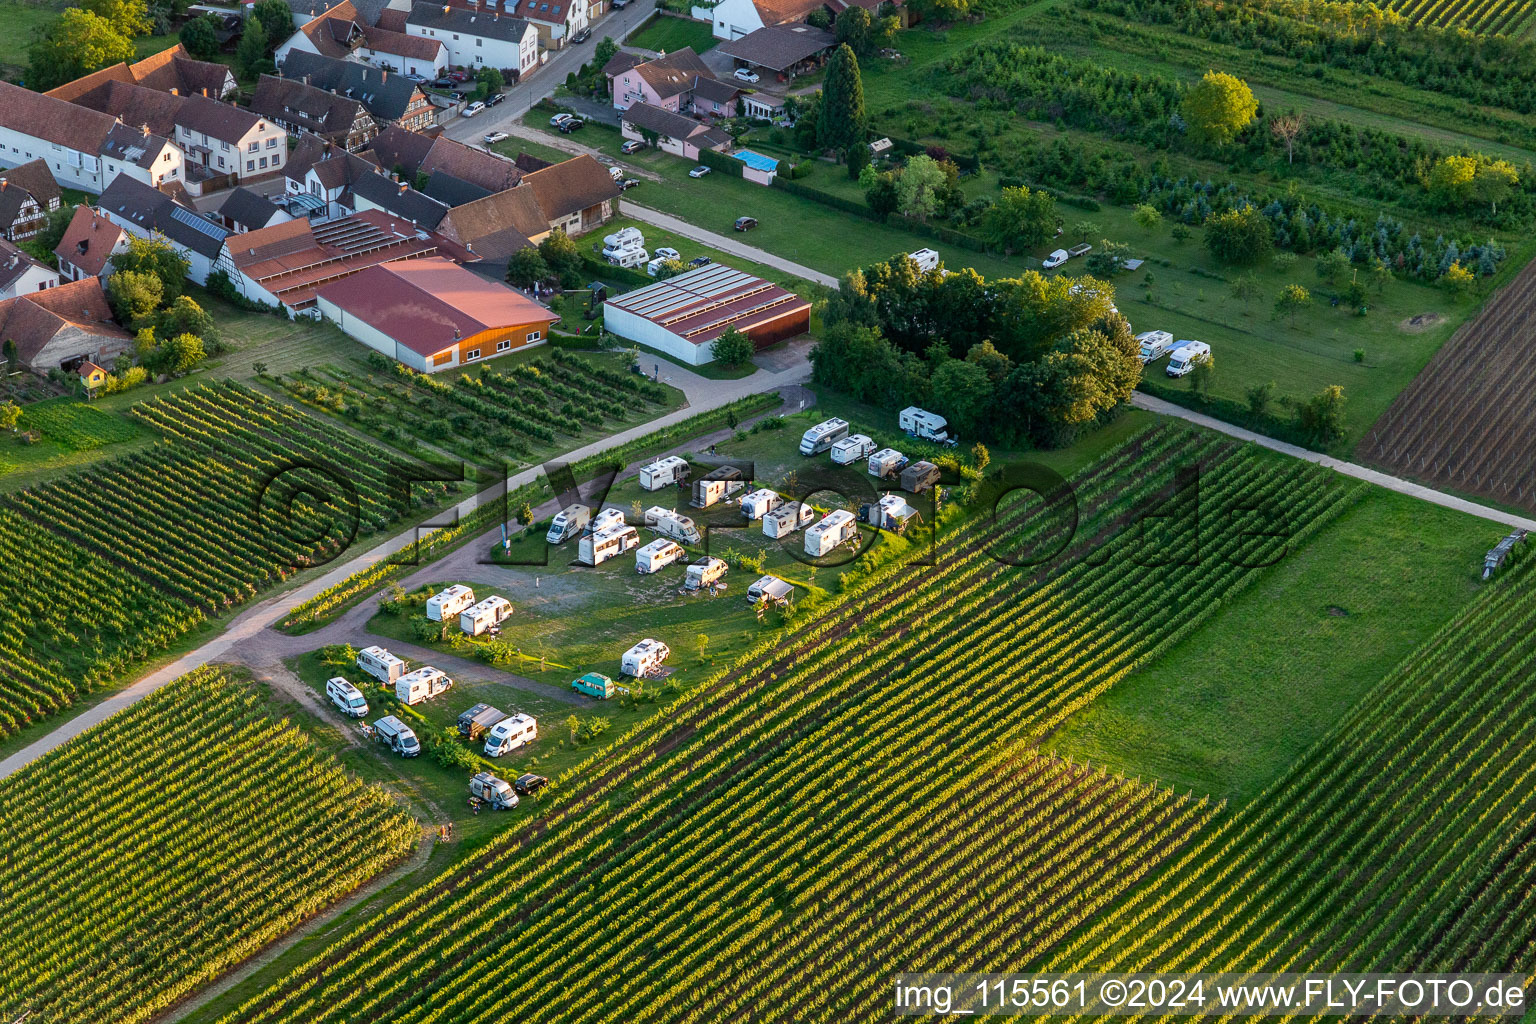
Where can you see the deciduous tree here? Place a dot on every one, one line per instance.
(200, 37)
(1287, 128)
(76, 44)
(1020, 219)
(129, 17)
(1218, 107)
(1240, 237)
(134, 296)
(1293, 298)
(733, 348)
(251, 52)
(156, 258)
(1149, 217)
(918, 187)
(527, 268)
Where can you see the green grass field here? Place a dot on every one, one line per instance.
(668, 35)
(1229, 709)
(19, 22)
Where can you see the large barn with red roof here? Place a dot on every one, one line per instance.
(683, 315)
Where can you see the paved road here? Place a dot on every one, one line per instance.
(724, 243)
(1351, 469)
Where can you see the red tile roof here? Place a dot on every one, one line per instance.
(35, 318)
(89, 240)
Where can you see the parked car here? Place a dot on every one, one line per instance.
(632, 146)
(582, 36)
(698, 172)
(418, 79)
(529, 783)
(666, 252)
(746, 223)
(443, 83)
(572, 124)
(558, 120)
(700, 261)
(628, 183)
(743, 75)
(619, 5)
(491, 138)
(495, 98)
(473, 109)
(458, 76)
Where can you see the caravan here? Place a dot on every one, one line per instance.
(838, 528)
(706, 572)
(568, 523)
(851, 449)
(760, 502)
(823, 436)
(670, 471)
(423, 684)
(644, 658)
(493, 611)
(445, 605)
(512, 732)
(919, 477)
(657, 555)
(380, 664)
(671, 524)
(716, 485)
(920, 423)
(597, 548)
(787, 518)
(606, 518)
(886, 463)
(926, 259)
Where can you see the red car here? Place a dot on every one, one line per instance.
(458, 76)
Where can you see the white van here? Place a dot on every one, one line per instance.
(423, 684)
(1056, 259)
(448, 603)
(1186, 356)
(657, 555)
(510, 733)
(1153, 345)
(380, 664)
(493, 611)
(851, 449)
(397, 736)
(349, 700)
(760, 502)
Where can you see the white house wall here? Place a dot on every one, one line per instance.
(637, 328)
(85, 171)
(377, 340)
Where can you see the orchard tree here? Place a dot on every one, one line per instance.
(1287, 128)
(733, 348)
(10, 415)
(918, 187)
(1457, 279)
(200, 37)
(1020, 219)
(1218, 107)
(1293, 299)
(1331, 264)
(1241, 237)
(75, 45)
(1148, 216)
(842, 121)
(1107, 260)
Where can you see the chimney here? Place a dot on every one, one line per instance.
(393, 176)
(146, 131)
(3, 182)
(174, 92)
(403, 187)
(469, 246)
(383, 74)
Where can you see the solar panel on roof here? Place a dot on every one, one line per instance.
(198, 222)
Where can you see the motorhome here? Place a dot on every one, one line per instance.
(423, 684)
(494, 793)
(512, 732)
(672, 524)
(606, 518)
(380, 664)
(477, 721)
(716, 485)
(1186, 356)
(397, 736)
(886, 463)
(644, 658)
(926, 259)
(568, 523)
(919, 477)
(704, 572)
(921, 423)
(839, 527)
(769, 590)
(446, 604)
(478, 618)
(597, 548)
(1153, 345)
(851, 449)
(624, 238)
(657, 555)
(891, 512)
(760, 502)
(823, 436)
(668, 472)
(787, 518)
(349, 700)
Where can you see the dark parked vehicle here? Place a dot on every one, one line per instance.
(746, 223)
(572, 125)
(582, 36)
(495, 98)
(628, 183)
(700, 261)
(529, 784)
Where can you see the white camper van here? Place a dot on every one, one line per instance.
(644, 658)
(568, 523)
(886, 463)
(760, 502)
(597, 548)
(851, 449)
(1186, 356)
(478, 618)
(448, 603)
(349, 700)
(380, 664)
(671, 524)
(1153, 345)
(705, 571)
(667, 472)
(926, 259)
(624, 238)
(510, 733)
(769, 590)
(929, 426)
(716, 485)
(838, 527)
(787, 518)
(657, 555)
(606, 518)
(397, 736)
(423, 684)
(823, 436)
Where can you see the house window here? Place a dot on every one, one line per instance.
(250, 165)
(502, 346)
(263, 163)
(272, 142)
(473, 353)
(535, 335)
(479, 59)
(253, 147)
(221, 163)
(479, 42)
(455, 36)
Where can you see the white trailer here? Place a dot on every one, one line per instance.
(478, 618)
(1186, 356)
(672, 524)
(568, 523)
(787, 518)
(823, 436)
(380, 664)
(668, 472)
(886, 463)
(1153, 345)
(644, 658)
(705, 571)
(769, 590)
(760, 502)
(510, 733)
(397, 736)
(716, 485)
(423, 684)
(597, 548)
(606, 518)
(929, 426)
(446, 604)
(851, 449)
(839, 527)
(657, 555)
